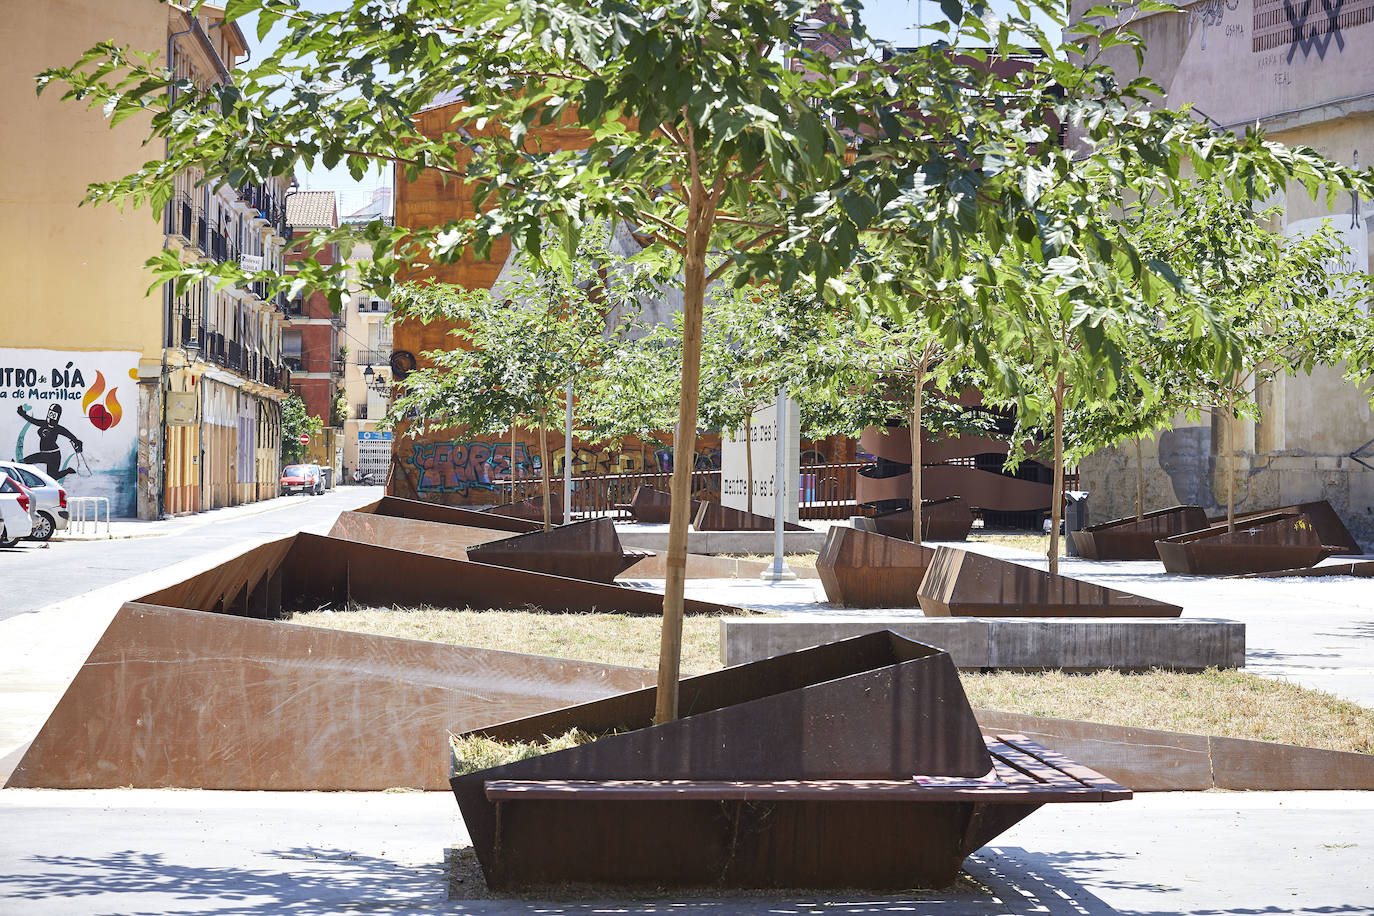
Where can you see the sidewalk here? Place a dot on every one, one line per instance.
(151, 528)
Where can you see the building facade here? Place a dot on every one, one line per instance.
(312, 345)
(1304, 73)
(160, 403)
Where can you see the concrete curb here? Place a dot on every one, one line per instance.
(1071, 643)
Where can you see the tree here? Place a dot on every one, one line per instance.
(295, 422)
(518, 346)
(708, 124)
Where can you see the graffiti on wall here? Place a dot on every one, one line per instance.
(1319, 35)
(474, 467)
(65, 412)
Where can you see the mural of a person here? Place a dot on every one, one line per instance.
(48, 454)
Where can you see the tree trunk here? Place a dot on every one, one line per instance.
(749, 462)
(1057, 491)
(1230, 468)
(700, 216)
(915, 423)
(1139, 482)
(544, 465)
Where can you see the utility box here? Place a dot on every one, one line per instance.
(1075, 518)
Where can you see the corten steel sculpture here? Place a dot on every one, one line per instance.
(448, 515)
(310, 571)
(651, 507)
(961, 583)
(1330, 529)
(1284, 540)
(433, 538)
(946, 519)
(172, 697)
(863, 569)
(1134, 539)
(715, 517)
(532, 509)
(854, 764)
(583, 550)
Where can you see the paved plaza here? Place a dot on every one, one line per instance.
(174, 851)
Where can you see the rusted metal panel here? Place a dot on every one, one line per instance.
(946, 519)
(863, 569)
(432, 538)
(1261, 544)
(806, 770)
(960, 583)
(448, 515)
(532, 509)
(1330, 529)
(313, 571)
(652, 507)
(1134, 539)
(172, 697)
(583, 550)
(715, 517)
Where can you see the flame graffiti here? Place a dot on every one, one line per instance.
(102, 416)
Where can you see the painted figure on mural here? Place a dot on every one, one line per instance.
(49, 455)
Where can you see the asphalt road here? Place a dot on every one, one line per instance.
(32, 576)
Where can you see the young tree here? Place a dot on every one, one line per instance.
(517, 347)
(295, 422)
(709, 124)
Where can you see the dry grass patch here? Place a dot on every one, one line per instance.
(1038, 544)
(1230, 704)
(613, 639)
(804, 560)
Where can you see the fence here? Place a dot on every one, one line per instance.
(85, 510)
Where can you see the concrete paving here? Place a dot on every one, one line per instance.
(241, 853)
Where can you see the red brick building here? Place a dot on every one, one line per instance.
(312, 340)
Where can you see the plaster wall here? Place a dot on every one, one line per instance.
(74, 275)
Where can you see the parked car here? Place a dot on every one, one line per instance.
(49, 495)
(302, 478)
(16, 520)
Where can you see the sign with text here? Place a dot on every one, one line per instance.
(734, 462)
(74, 415)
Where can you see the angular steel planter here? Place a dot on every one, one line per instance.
(863, 569)
(1134, 539)
(1283, 540)
(396, 507)
(854, 764)
(946, 519)
(531, 509)
(961, 583)
(715, 517)
(1330, 529)
(582, 550)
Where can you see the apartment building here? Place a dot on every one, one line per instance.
(159, 403)
(312, 344)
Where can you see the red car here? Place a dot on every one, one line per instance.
(302, 478)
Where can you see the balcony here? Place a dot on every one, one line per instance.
(203, 235)
(181, 217)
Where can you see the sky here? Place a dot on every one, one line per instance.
(892, 20)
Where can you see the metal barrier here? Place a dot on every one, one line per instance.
(78, 506)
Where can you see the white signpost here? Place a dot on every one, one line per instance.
(734, 488)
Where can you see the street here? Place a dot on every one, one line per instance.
(32, 577)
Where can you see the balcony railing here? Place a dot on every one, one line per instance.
(180, 217)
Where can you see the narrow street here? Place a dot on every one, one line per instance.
(32, 576)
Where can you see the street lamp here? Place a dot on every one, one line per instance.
(375, 382)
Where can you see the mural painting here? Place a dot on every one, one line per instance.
(471, 470)
(65, 413)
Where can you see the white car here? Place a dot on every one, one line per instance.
(15, 506)
(50, 497)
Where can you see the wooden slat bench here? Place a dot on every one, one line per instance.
(1023, 772)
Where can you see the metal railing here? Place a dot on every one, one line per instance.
(604, 495)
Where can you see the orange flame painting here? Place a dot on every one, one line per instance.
(102, 416)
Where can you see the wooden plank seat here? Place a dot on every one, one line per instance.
(1022, 771)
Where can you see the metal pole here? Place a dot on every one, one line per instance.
(567, 457)
(778, 571)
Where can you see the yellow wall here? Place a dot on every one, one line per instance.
(74, 276)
